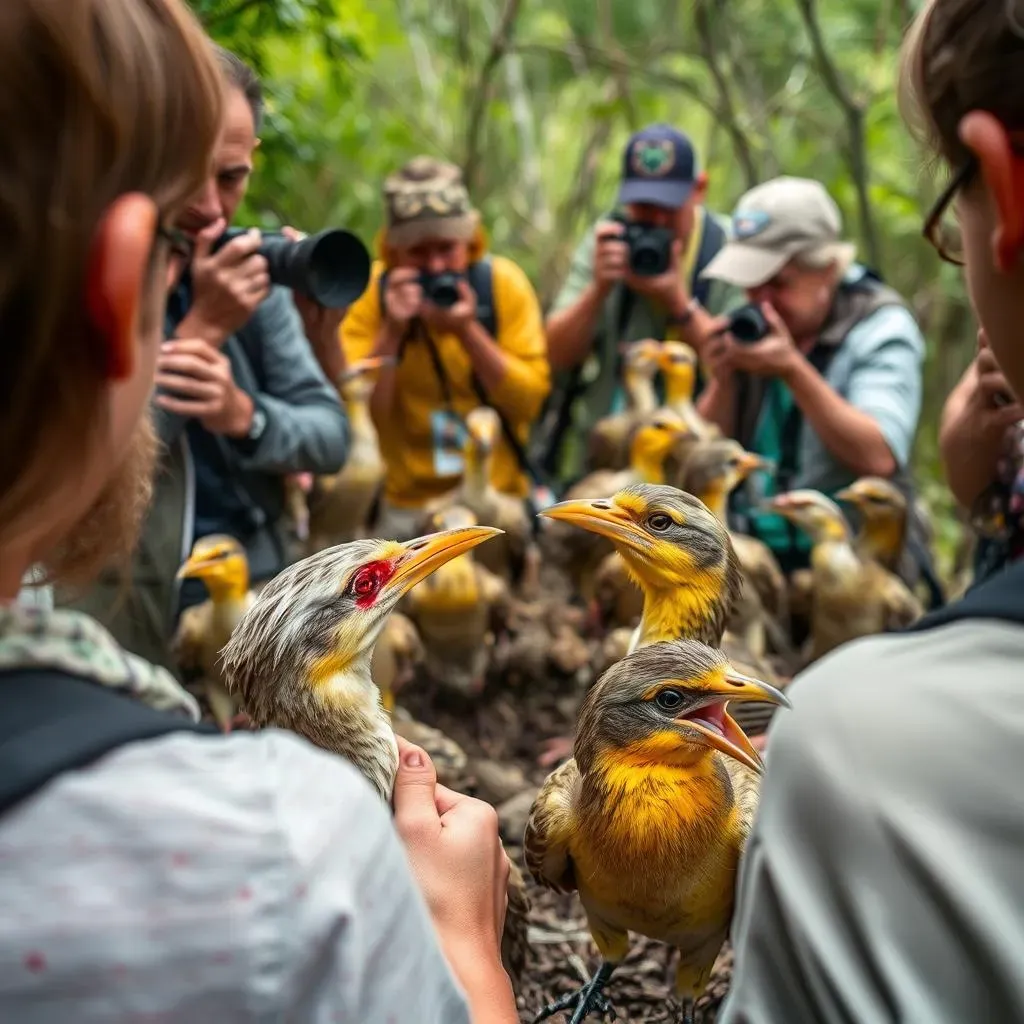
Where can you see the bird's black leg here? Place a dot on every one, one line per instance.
(689, 1006)
(585, 1000)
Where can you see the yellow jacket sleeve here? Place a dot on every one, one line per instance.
(527, 380)
(361, 325)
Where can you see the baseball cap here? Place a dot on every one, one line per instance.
(658, 167)
(774, 222)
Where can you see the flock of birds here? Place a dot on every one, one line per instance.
(631, 594)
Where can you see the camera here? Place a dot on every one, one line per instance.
(332, 266)
(650, 247)
(441, 289)
(748, 324)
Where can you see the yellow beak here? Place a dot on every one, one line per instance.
(420, 557)
(732, 740)
(194, 568)
(749, 462)
(848, 494)
(602, 516)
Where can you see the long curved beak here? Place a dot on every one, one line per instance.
(732, 740)
(420, 557)
(602, 516)
(193, 568)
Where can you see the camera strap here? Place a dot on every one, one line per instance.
(420, 329)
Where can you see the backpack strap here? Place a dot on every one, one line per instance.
(1000, 597)
(52, 722)
(712, 239)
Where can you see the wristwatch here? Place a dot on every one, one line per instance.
(691, 307)
(258, 424)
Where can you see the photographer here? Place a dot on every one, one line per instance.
(461, 329)
(241, 400)
(636, 275)
(832, 390)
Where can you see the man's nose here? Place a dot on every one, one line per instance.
(206, 204)
(436, 263)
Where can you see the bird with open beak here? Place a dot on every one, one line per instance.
(300, 657)
(648, 820)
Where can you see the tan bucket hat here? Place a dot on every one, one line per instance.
(427, 199)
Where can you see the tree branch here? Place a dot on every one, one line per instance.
(693, 89)
(853, 112)
(727, 110)
(501, 41)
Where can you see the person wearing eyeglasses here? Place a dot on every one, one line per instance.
(832, 390)
(882, 880)
(243, 397)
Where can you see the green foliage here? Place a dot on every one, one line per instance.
(536, 100)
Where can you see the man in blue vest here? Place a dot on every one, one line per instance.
(609, 299)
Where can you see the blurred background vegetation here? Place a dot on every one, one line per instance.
(535, 101)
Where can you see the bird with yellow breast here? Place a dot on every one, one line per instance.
(682, 558)
(300, 659)
(203, 629)
(647, 821)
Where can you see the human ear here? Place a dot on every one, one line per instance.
(117, 279)
(700, 187)
(1003, 172)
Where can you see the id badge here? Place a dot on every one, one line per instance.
(449, 437)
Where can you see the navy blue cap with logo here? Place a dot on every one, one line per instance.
(659, 168)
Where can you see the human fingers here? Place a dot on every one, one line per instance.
(189, 387)
(193, 347)
(185, 407)
(414, 801)
(206, 238)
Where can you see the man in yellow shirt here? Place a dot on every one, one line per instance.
(460, 329)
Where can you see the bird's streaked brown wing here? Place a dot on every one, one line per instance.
(746, 788)
(548, 830)
(902, 608)
(188, 643)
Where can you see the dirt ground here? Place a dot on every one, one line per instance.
(509, 730)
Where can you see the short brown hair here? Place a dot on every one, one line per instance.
(98, 98)
(242, 77)
(959, 56)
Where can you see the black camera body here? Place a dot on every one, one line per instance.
(441, 289)
(332, 266)
(748, 324)
(650, 247)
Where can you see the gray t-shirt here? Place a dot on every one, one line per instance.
(884, 878)
(214, 879)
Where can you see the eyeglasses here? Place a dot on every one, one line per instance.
(178, 242)
(941, 226)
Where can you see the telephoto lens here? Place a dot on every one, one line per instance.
(441, 289)
(331, 267)
(748, 324)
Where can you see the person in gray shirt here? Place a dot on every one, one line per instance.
(884, 880)
(184, 877)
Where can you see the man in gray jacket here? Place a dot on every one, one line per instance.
(242, 399)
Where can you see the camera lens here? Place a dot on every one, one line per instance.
(650, 249)
(747, 325)
(441, 289)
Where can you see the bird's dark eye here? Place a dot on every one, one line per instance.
(669, 700)
(659, 522)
